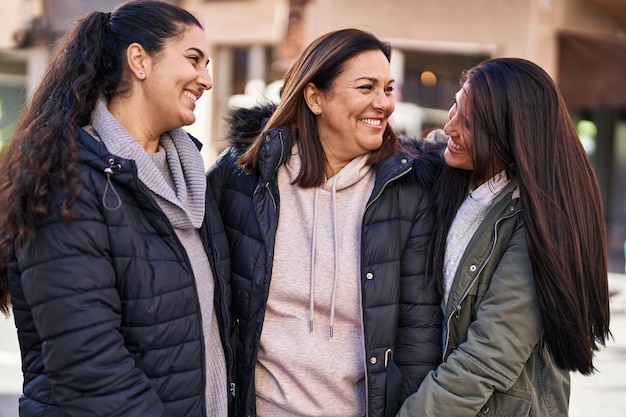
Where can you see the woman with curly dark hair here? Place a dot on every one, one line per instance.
(521, 251)
(111, 258)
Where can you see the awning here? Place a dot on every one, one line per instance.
(592, 70)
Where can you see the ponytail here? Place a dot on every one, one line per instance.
(39, 174)
(40, 162)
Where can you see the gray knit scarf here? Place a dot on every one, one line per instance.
(186, 199)
(179, 187)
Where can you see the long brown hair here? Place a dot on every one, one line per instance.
(520, 120)
(39, 168)
(320, 63)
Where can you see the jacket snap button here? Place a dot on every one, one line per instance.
(369, 275)
(373, 360)
(473, 268)
(403, 161)
(485, 409)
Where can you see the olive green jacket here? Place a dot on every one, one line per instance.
(496, 362)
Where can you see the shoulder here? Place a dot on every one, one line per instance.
(427, 159)
(502, 233)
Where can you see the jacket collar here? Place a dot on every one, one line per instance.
(93, 153)
(391, 167)
(274, 152)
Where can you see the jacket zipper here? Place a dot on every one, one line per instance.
(267, 186)
(390, 180)
(227, 318)
(140, 186)
(457, 307)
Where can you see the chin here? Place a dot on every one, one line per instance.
(451, 160)
(188, 121)
(375, 145)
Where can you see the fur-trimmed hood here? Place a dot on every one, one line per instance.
(244, 124)
(427, 158)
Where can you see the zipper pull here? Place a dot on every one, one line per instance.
(109, 172)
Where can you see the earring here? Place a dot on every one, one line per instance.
(318, 112)
(140, 73)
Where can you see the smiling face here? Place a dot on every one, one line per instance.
(459, 147)
(176, 78)
(353, 114)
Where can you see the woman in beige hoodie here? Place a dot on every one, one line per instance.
(329, 222)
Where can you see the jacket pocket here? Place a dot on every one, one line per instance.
(507, 404)
(392, 389)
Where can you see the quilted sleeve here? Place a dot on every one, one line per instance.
(66, 280)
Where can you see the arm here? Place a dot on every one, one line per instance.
(498, 343)
(68, 283)
(418, 346)
(218, 174)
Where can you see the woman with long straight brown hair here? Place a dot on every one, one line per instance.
(521, 251)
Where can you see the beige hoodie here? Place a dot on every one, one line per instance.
(311, 360)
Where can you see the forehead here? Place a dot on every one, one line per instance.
(367, 64)
(462, 96)
(192, 36)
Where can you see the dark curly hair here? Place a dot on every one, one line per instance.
(39, 168)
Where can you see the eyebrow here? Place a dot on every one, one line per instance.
(374, 80)
(193, 48)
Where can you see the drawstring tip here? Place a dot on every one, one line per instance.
(331, 331)
(310, 326)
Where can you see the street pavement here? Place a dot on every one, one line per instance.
(604, 392)
(10, 372)
(601, 394)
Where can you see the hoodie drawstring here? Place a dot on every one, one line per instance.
(312, 264)
(313, 253)
(335, 250)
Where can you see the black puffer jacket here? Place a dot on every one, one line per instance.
(400, 301)
(106, 306)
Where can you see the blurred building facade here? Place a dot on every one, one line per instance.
(581, 43)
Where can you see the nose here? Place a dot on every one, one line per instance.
(448, 126)
(205, 80)
(384, 102)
